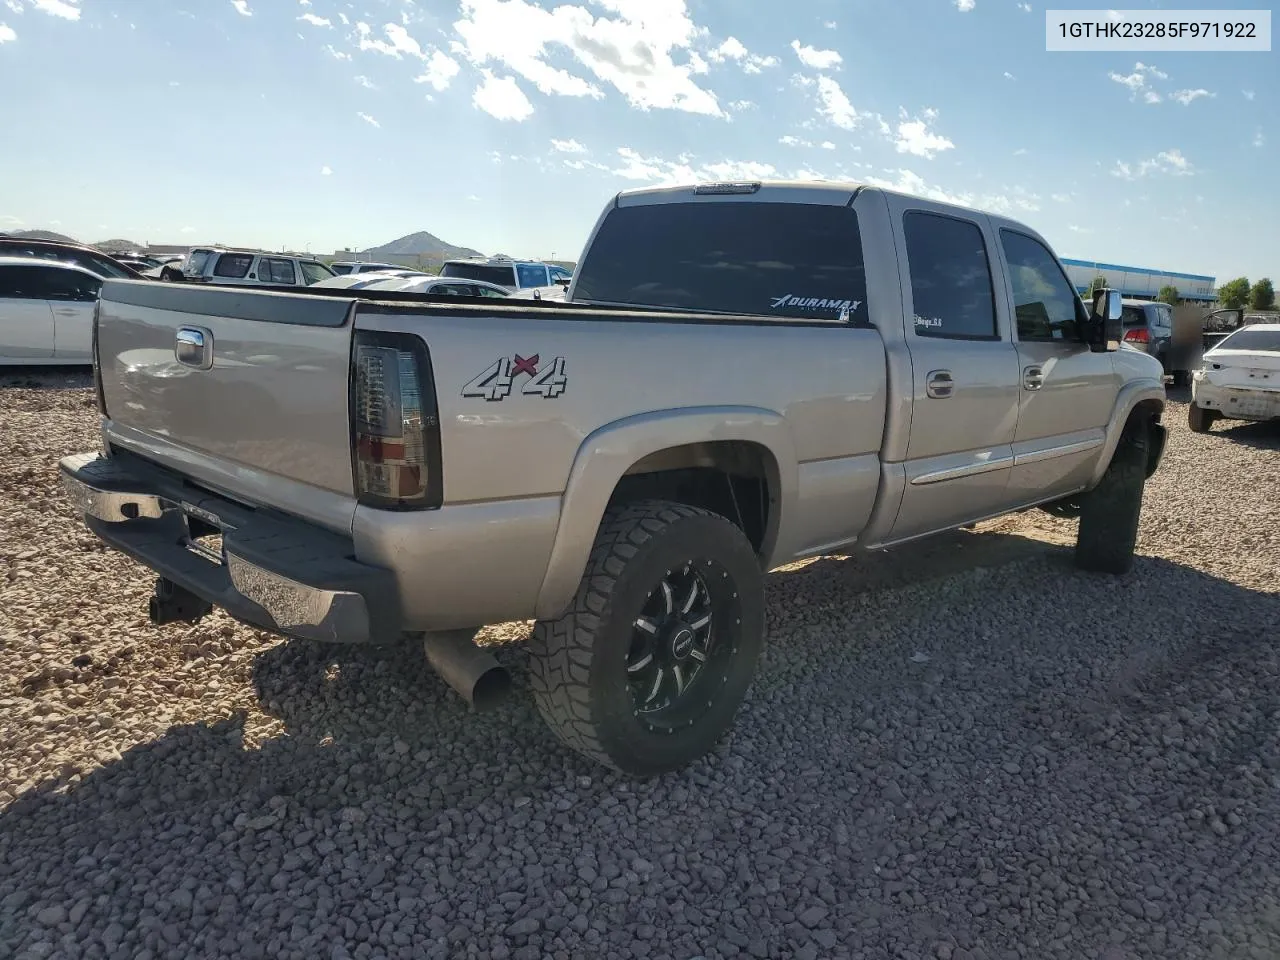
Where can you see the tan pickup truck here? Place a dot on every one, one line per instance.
(742, 374)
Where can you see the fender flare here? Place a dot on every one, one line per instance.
(609, 451)
(1130, 395)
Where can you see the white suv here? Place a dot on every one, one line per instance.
(249, 268)
(515, 275)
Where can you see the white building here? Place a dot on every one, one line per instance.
(1141, 282)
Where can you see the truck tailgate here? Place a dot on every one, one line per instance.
(263, 396)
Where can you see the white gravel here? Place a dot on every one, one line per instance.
(962, 750)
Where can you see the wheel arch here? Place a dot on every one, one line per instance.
(1139, 400)
(729, 439)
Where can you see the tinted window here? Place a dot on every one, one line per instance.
(314, 272)
(48, 283)
(1043, 300)
(452, 290)
(20, 283)
(99, 263)
(503, 276)
(1133, 316)
(491, 292)
(340, 268)
(1247, 339)
(532, 275)
(950, 277)
(273, 270)
(233, 265)
(781, 259)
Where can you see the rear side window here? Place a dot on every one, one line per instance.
(1246, 339)
(951, 286)
(233, 265)
(341, 268)
(778, 259)
(20, 283)
(274, 270)
(503, 276)
(69, 285)
(531, 275)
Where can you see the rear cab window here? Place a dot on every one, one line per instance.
(502, 275)
(795, 260)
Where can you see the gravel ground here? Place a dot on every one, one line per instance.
(961, 750)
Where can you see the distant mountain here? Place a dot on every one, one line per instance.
(420, 244)
(43, 235)
(119, 244)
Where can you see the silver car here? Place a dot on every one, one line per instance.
(46, 311)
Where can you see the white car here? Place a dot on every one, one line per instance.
(250, 268)
(1239, 379)
(46, 311)
(342, 267)
(422, 283)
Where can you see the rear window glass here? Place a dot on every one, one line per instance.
(502, 276)
(233, 265)
(341, 268)
(1133, 316)
(777, 259)
(1247, 339)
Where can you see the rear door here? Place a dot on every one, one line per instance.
(964, 370)
(26, 322)
(276, 270)
(233, 268)
(71, 295)
(1066, 392)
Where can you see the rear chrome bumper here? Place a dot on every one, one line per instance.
(273, 572)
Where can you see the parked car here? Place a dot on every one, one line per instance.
(46, 311)
(514, 275)
(1149, 326)
(89, 258)
(249, 268)
(341, 267)
(1239, 380)
(623, 467)
(409, 282)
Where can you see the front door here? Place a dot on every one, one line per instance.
(72, 295)
(1066, 392)
(26, 322)
(964, 372)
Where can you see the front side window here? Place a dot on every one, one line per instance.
(275, 270)
(796, 260)
(314, 272)
(234, 266)
(68, 285)
(1044, 303)
(951, 288)
(341, 268)
(20, 283)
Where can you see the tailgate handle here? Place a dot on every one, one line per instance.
(193, 346)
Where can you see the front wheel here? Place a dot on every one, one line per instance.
(1109, 513)
(647, 669)
(1199, 419)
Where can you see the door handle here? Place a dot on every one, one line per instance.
(1032, 378)
(939, 384)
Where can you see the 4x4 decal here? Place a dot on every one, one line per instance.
(495, 382)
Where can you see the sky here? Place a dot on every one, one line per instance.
(508, 125)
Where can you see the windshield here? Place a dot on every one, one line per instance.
(503, 276)
(1247, 339)
(791, 260)
(314, 272)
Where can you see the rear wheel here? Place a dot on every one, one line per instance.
(1109, 513)
(646, 671)
(1199, 419)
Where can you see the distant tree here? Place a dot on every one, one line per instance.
(1234, 294)
(1095, 285)
(1262, 296)
(1168, 295)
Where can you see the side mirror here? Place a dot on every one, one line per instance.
(1105, 326)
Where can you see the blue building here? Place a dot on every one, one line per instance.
(1141, 282)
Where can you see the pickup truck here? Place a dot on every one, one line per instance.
(741, 375)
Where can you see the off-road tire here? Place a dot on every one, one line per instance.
(1200, 419)
(1110, 512)
(578, 663)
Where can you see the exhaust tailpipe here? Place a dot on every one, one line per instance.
(174, 604)
(473, 672)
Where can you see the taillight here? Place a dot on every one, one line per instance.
(1139, 335)
(97, 362)
(395, 425)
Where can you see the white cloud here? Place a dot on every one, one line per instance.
(1008, 202)
(1137, 82)
(1060, 197)
(325, 171)
(441, 69)
(1075, 229)
(1185, 97)
(315, 21)
(1009, 76)
(830, 24)
(1151, 97)
(13, 5)
(631, 51)
(398, 41)
(242, 7)
(835, 105)
(816, 59)
(368, 119)
(635, 166)
(1024, 7)
(7, 34)
(740, 105)
(502, 98)
(568, 146)
(1020, 152)
(187, 230)
(791, 141)
(732, 49)
(964, 6)
(1248, 94)
(336, 53)
(67, 9)
(366, 83)
(1258, 139)
(1170, 162)
(827, 145)
(915, 137)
